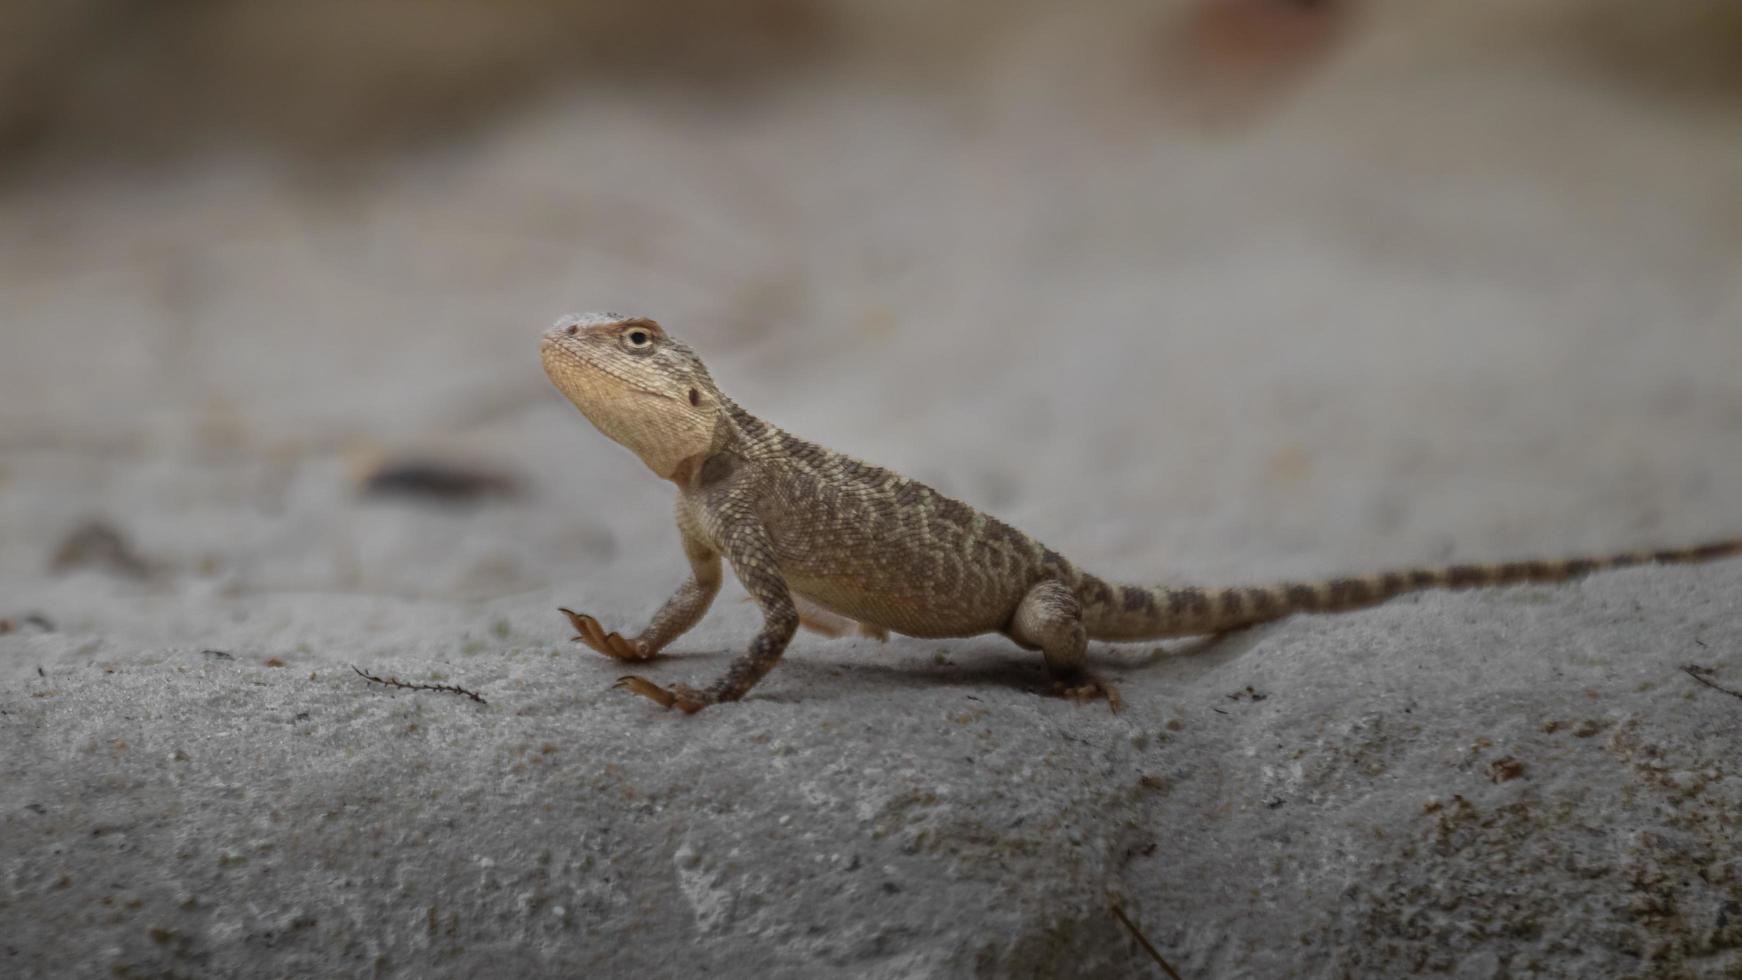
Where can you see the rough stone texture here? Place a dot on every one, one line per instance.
(1519, 781)
(1436, 308)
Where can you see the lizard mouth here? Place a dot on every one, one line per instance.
(564, 360)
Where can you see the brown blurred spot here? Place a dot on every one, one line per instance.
(1675, 51)
(99, 545)
(37, 620)
(1290, 464)
(1501, 770)
(1229, 59)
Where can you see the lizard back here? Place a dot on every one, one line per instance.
(882, 548)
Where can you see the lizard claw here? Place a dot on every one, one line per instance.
(612, 645)
(676, 696)
(1086, 688)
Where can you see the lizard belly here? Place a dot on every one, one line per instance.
(908, 613)
(890, 552)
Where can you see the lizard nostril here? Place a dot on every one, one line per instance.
(572, 329)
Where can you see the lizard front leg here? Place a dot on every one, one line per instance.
(683, 610)
(748, 548)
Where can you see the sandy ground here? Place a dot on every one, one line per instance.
(1361, 335)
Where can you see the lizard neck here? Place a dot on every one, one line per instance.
(738, 434)
(742, 431)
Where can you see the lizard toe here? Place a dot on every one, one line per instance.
(1086, 689)
(678, 696)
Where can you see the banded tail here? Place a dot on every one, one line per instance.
(1134, 612)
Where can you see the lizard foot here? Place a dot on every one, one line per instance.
(675, 696)
(1087, 688)
(610, 644)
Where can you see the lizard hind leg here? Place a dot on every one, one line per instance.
(818, 618)
(1050, 619)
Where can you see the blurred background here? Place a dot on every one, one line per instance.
(1202, 288)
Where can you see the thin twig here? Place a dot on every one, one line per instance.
(1142, 941)
(396, 682)
(1699, 673)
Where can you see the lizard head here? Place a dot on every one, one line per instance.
(638, 386)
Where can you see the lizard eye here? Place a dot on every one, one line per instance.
(638, 339)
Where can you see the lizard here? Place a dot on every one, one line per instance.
(801, 524)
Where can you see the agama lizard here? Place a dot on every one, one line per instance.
(799, 522)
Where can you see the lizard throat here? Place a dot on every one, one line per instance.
(664, 431)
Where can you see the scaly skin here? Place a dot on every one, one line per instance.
(802, 524)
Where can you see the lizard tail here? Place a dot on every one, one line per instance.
(1135, 612)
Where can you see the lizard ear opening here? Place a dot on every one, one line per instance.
(695, 398)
